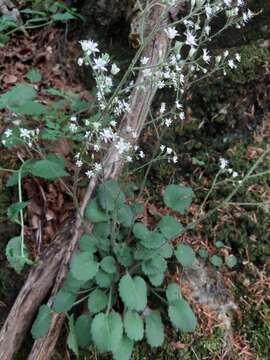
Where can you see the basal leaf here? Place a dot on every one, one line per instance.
(72, 338)
(133, 292)
(34, 75)
(83, 330)
(83, 266)
(108, 264)
(63, 301)
(94, 213)
(42, 322)
(173, 292)
(48, 169)
(133, 325)
(124, 349)
(107, 331)
(178, 198)
(154, 329)
(182, 316)
(170, 227)
(110, 195)
(185, 255)
(97, 301)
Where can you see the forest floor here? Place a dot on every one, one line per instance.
(228, 118)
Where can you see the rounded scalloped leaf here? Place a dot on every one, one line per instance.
(83, 330)
(124, 350)
(185, 255)
(94, 213)
(133, 325)
(154, 329)
(108, 264)
(231, 261)
(133, 292)
(107, 331)
(110, 195)
(182, 316)
(173, 292)
(97, 301)
(170, 227)
(42, 322)
(63, 301)
(83, 266)
(178, 198)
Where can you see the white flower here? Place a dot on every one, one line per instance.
(162, 148)
(238, 57)
(106, 135)
(97, 167)
(122, 146)
(25, 133)
(79, 163)
(169, 150)
(207, 29)
(171, 32)
(8, 133)
(141, 154)
(223, 163)
(182, 115)
(144, 60)
(234, 174)
(247, 16)
(115, 69)
(89, 173)
(73, 118)
(191, 38)
(226, 53)
(168, 122)
(178, 105)
(175, 159)
(96, 147)
(80, 61)
(129, 158)
(209, 11)
(147, 72)
(89, 46)
(73, 128)
(231, 64)
(162, 108)
(228, 2)
(206, 56)
(100, 64)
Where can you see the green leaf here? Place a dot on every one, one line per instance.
(125, 215)
(83, 266)
(182, 316)
(108, 264)
(140, 231)
(48, 169)
(34, 75)
(165, 250)
(170, 227)
(124, 254)
(178, 198)
(87, 243)
(110, 195)
(124, 350)
(203, 253)
(133, 325)
(231, 261)
(107, 331)
(71, 284)
(94, 213)
(185, 255)
(42, 322)
(154, 240)
(97, 301)
(31, 108)
(63, 301)
(216, 260)
(219, 244)
(17, 96)
(103, 279)
(14, 254)
(156, 279)
(133, 292)
(14, 210)
(155, 265)
(154, 329)
(63, 16)
(83, 330)
(72, 338)
(173, 292)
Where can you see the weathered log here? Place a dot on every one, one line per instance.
(38, 284)
(134, 121)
